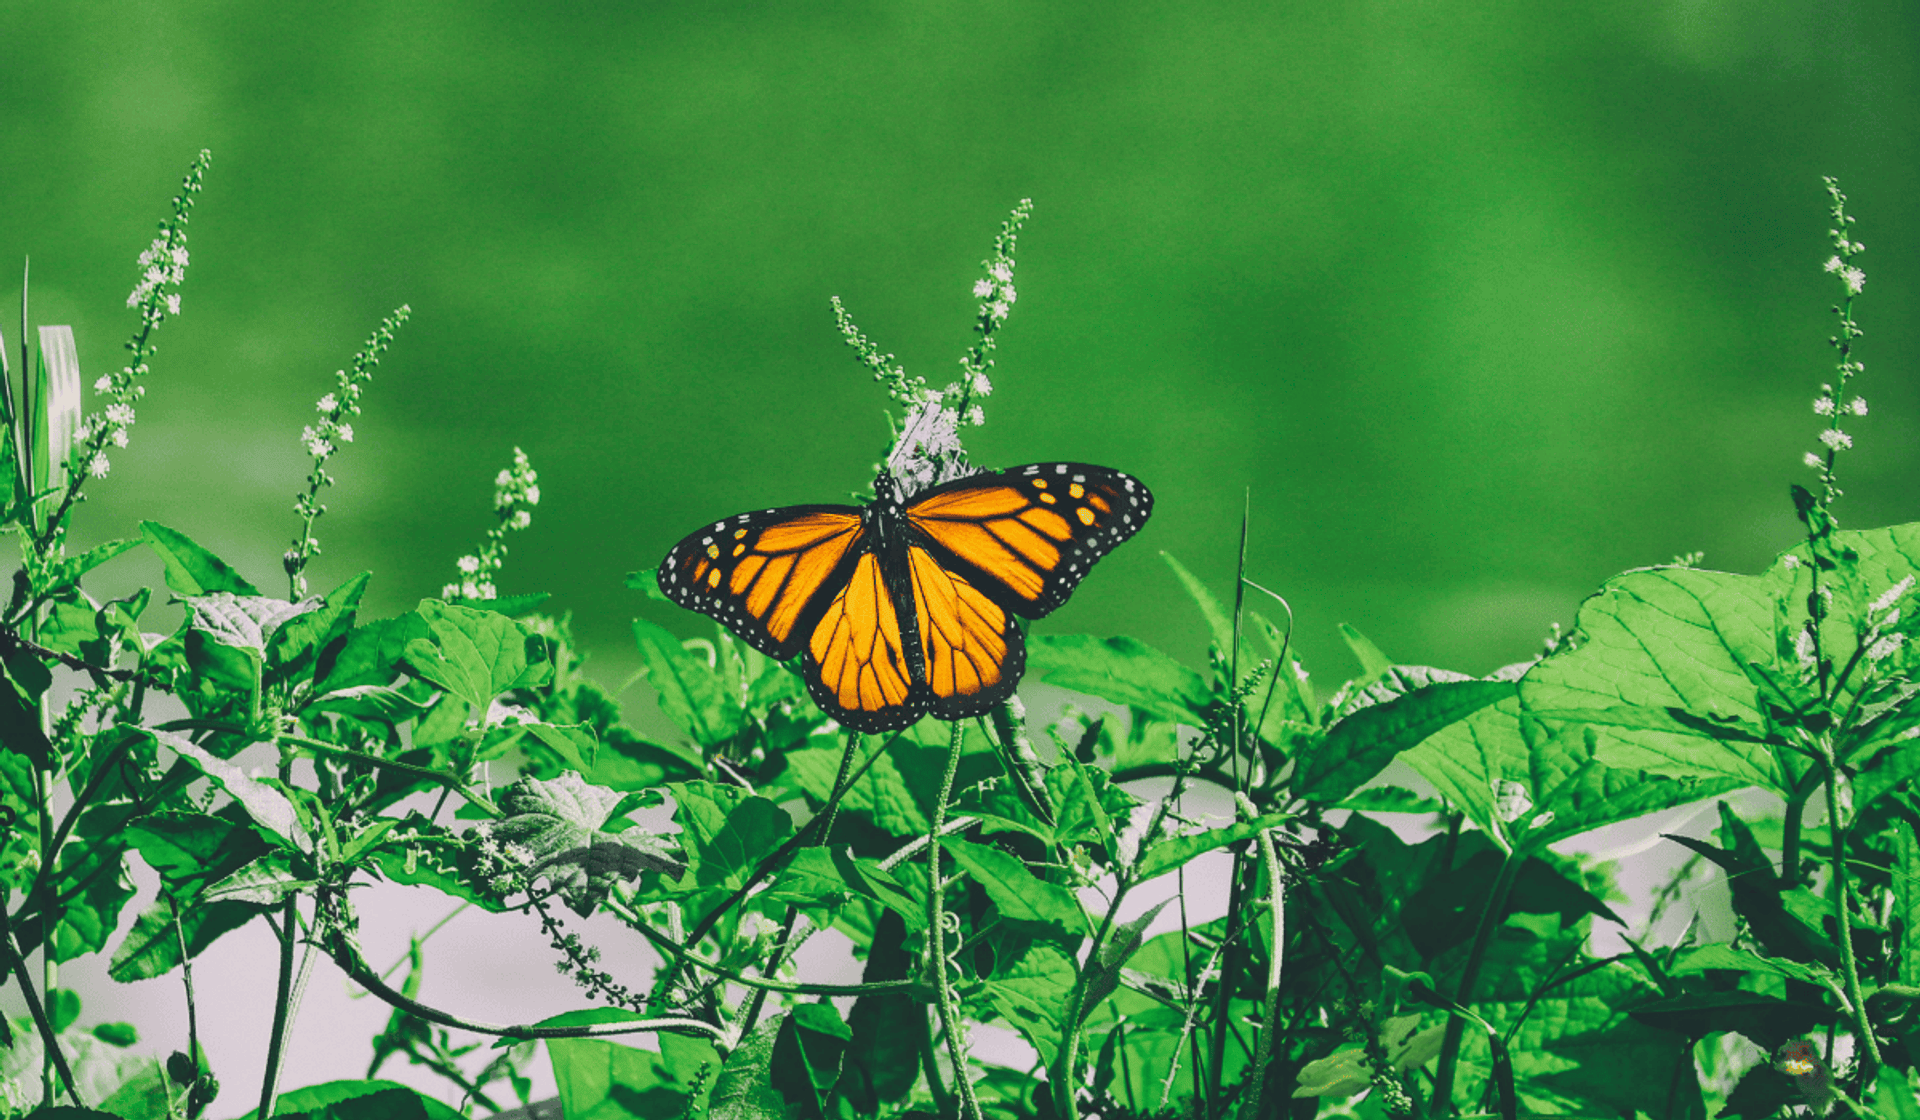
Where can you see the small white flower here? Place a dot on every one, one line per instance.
(99, 466)
(1003, 272)
(121, 414)
(1834, 264)
(1857, 406)
(468, 564)
(1836, 439)
(104, 385)
(997, 309)
(1855, 279)
(982, 289)
(976, 416)
(179, 256)
(1007, 294)
(484, 590)
(326, 404)
(533, 496)
(981, 386)
(1790, 561)
(1823, 406)
(450, 591)
(520, 520)
(120, 437)
(173, 303)
(345, 432)
(1815, 461)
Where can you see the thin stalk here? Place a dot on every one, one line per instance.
(1062, 1075)
(1470, 975)
(186, 971)
(1270, 1019)
(282, 1009)
(17, 964)
(950, 1018)
(930, 1066)
(759, 1001)
(1230, 964)
(1849, 967)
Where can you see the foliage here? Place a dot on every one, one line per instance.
(980, 870)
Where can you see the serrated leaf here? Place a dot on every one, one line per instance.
(373, 654)
(1362, 743)
(575, 744)
(1176, 851)
(476, 655)
(1032, 992)
(369, 703)
(299, 642)
(743, 1090)
(268, 807)
(1016, 891)
(689, 689)
(1103, 971)
(1691, 962)
(1669, 638)
(190, 569)
(267, 881)
(557, 823)
(725, 832)
(1123, 670)
(190, 850)
(244, 622)
(152, 948)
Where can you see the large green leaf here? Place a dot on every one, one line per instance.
(1679, 642)
(1122, 670)
(883, 1059)
(689, 689)
(604, 1080)
(191, 850)
(360, 1100)
(190, 569)
(725, 832)
(476, 655)
(1018, 893)
(268, 807)
(744, 1088)
(1359, 746)
(373, 654)
(298, 644)
(243, 622)
(1031, 992)
(152, 948)
(1176, 851)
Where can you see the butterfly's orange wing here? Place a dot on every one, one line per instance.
(992, 546)
(769, 576)
(857, 665)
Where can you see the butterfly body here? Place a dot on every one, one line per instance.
(907, 606)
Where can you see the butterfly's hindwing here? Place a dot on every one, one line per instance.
(969, 644)
(1027, 536)
(768, 575)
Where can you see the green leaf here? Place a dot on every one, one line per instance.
(1175, 852)
(1122, 670)
(243, 622)
(360, 1100)
(1361, 745)
(63, 1008)
(57, 390)
(1722, 956)
(1016, 891)
(1670, 638)
(373, 654)
(1373, 663)
(1767, 1021)
(298, 643)
(1103, 971)
(268, 807)
(1219, 620)
(190, 569)
(689, 689)
(151, 947)
(807, 1058)
(267, 881)
(575, 744)
(1032, 992)
(725, 833)
(882, 1060)
(601, 1079)
(20, 722)
(558, 823)
(476, 655)
(1088, 804)
(744, 1090)
(190, 850)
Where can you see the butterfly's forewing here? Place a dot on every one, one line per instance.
(1027, 536)
(856, 665)
(767, 575)
(971, 649)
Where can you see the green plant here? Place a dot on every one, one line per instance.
(1448, 976)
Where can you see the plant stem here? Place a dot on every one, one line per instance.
(1270, 1018)
(950, 1018)
(1849, 967)
(282, 1010)
(17, 964)
(1490, 918)
(1230, 962)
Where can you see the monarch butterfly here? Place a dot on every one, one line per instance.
(905, 606)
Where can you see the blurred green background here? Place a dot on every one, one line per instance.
(1483, 302)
